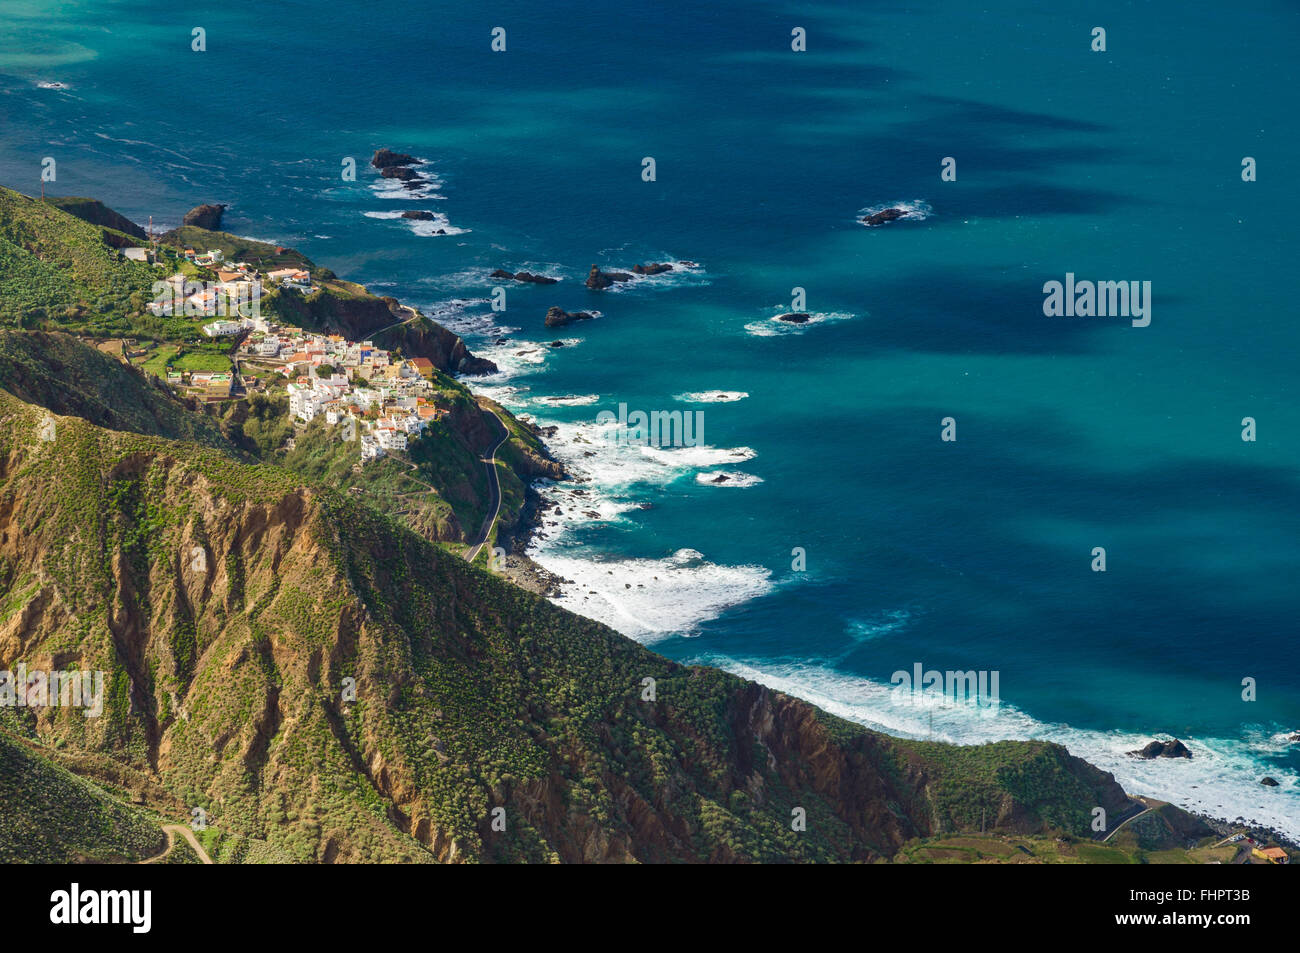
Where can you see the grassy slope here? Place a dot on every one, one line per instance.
(51, 816)
(61, 374)
(52, 263)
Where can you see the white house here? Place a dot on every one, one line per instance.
(390, 439)
(304, 402)
(222, 328)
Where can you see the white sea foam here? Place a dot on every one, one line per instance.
(652, 599)
(684, 274)
(1221, 780)
(436, 227)
(468, 317)
(773, 326)
(425, 188)
(479, 278)
(727, 478)
(712, 396)
(506, 395)
(692, 457)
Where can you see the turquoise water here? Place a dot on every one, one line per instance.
(1072, 433)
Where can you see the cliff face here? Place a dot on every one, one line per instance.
(97, 213)
(229, 607)
(349, 310)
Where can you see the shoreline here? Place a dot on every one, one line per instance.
(525, 572)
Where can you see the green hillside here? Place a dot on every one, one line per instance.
(50, 816)
(57, 270)
(225, 687)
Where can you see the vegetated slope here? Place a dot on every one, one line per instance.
(56, 267)
(228, 606)
(63, 375)
(50, 816)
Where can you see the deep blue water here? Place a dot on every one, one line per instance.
(1072, 433)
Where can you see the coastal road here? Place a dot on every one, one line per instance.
(494, 483)
(171, 830)
(415, 315)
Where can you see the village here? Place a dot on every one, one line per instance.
(380, 397)
(236, 292)
(385, 399)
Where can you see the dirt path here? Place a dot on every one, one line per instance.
(171, 830)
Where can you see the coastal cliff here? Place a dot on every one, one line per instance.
(285, 646)
(226, 687)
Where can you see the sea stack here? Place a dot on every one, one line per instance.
(558, 317)
(598, 280)
(205, 216)
(386, 158)
(1163, 749)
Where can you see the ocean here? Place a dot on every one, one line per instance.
(849, 541)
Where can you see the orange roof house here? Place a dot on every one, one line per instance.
(424, 366)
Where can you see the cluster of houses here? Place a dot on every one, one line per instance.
(237, 287)
(242, 271)
(386, 400)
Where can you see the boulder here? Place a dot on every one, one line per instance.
(526, 276)
(387, 158)
(1269, 782)
(419, 215)
(652, 269)
(557, 317)
(598, 280)
(795, 318)
(472, 366)
(883, 216)
(400, 172)
(205, 216)
(1163, 749)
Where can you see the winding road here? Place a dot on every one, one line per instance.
(171, 830)
(494, 483)
(1142, 806)
(405, 307)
